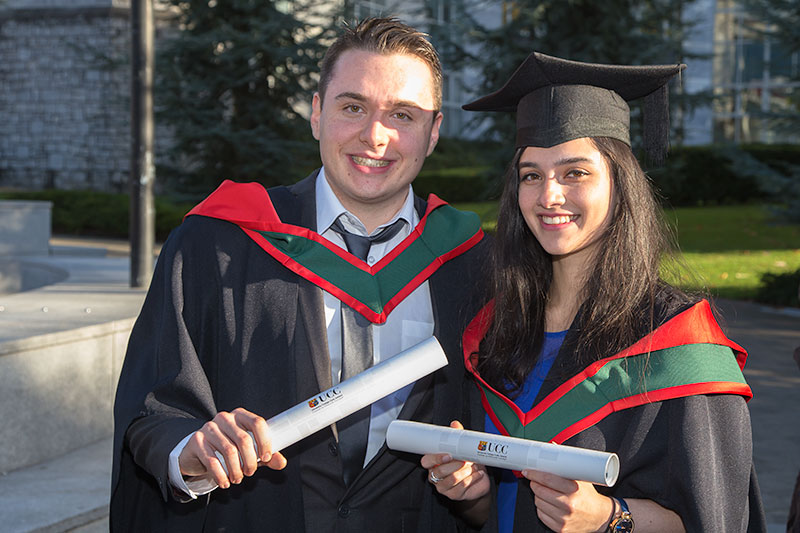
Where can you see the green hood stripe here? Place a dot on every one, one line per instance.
(622, 378)
(446, 228)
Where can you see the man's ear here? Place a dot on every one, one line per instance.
(434, 138)
(316, 110)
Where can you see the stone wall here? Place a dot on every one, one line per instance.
(65, 94)
(57, 391)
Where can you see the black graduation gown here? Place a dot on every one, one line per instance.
(223, 326)
(692, 455)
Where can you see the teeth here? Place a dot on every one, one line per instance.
(557, 220)
(367, 162)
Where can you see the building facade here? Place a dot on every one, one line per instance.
(750, 78)
(65, 83)
(64, 106)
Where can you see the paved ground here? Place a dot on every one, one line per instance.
(769, 335)
(60, 494)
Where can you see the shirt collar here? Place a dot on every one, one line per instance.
(329, 208)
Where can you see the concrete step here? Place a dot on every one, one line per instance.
(68, 493)
(61, 349)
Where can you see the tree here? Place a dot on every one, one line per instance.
(614, 31)
(229, 83)
(779, 22)
(780, 19)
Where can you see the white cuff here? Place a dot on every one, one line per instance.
(198, 485)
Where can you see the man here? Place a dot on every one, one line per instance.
(250, 308)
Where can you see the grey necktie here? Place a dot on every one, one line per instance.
(357, 356)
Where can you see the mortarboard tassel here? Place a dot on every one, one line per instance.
(655, 130)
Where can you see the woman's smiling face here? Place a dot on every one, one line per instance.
(566, 196)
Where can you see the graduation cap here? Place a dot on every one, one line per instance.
(558, 100)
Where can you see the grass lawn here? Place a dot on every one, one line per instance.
(729, 248)
(726, 249)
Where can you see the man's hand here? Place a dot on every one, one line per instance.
(228, 434)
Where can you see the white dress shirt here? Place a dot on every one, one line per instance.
(408, 324)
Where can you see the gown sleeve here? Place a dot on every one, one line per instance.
(163, 392)
(692, 455)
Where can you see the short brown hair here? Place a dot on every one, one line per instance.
(383, 36)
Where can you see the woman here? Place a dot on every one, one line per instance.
(584, 344)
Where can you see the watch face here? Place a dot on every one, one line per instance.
(623, 524)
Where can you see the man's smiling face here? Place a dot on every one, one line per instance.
(375, 128)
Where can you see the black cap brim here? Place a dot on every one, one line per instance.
(558, 100)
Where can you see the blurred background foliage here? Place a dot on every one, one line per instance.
(231, 86)
(235, 79)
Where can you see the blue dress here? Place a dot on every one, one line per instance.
(507, 490)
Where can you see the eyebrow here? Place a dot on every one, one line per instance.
(361, 98)
(560, 162)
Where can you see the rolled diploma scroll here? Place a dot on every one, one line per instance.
(500, 451)
(350, 395)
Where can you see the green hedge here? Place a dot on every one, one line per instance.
(99, 213)
(780, 289)
(457, 184)
(469, 171)
(457, 171)
(703, 175)
(460, 170)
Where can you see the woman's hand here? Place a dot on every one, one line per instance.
(458, 480)
(567, 505)
(461, 481)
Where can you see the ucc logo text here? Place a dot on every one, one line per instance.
(326, 396)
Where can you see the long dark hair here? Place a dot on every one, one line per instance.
(623, 279)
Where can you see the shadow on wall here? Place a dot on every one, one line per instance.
(25, 227)
(18, 276)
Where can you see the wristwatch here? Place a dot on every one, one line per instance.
(623, 522)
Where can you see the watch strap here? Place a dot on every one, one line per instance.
(623, 522)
